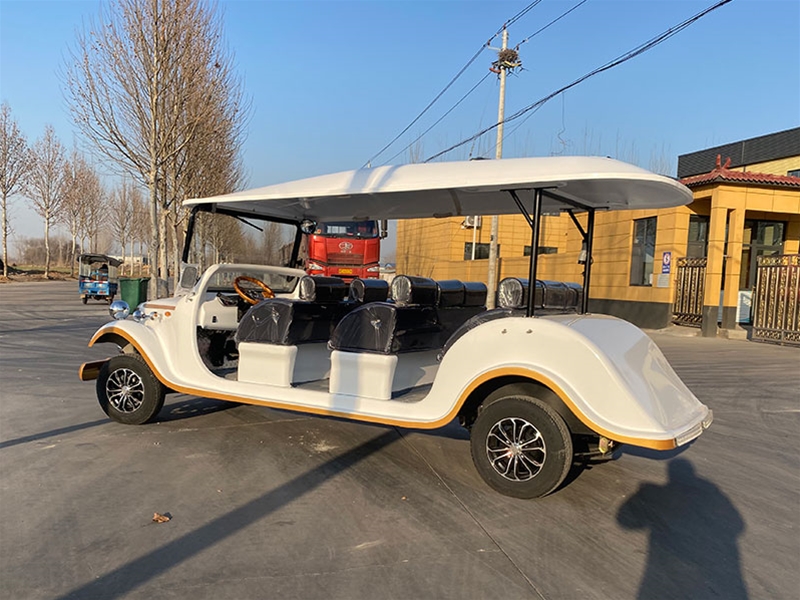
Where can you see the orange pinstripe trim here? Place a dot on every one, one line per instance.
(270, 403)
(505, 371)
(150, 305)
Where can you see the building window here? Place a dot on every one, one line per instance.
(541, 250)
(481, 251)
(794, 173)
(761, 238)
(697, 244)
(643, 251)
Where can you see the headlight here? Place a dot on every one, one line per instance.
(374, 269)
(119, 310)
(312, 266)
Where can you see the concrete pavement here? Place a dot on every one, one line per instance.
(270, 504)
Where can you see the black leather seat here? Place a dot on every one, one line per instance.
(288, 322)
(423, 315)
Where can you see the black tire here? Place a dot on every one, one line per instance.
(84, 299)
(128, 391)
(521, 446)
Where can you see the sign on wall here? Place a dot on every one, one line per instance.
(666, 262)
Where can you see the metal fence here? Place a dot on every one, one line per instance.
(689, 283)
(776, 301)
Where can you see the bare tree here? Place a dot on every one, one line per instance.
(46, 184)
(124, 199)
(15, 161)
(94, 210)
(81, 208)
(133, 78)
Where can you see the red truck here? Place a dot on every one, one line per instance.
(348, 249)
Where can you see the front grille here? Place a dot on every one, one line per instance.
(341, 258)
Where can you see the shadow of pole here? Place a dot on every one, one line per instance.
(52, 433)
(693, 529)
(141, 570)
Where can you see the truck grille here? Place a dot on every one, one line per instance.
(341, 258)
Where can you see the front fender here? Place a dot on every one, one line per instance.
(137, 335)
(608, 372)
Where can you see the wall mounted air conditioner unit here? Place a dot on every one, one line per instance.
(472, 222)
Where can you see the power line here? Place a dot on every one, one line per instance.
(518, 16)
(553, 22)
(439, 120)
(652, 43)
(513, 19)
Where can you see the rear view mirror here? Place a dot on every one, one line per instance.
(189, 276)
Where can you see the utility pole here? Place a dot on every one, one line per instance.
(506, 59)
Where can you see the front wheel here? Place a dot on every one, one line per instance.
(128, 391)
(521, 447)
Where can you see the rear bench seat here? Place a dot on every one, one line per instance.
(383, 347)
(551, 297)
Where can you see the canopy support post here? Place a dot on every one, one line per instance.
(298, 238)
(587, 266)
(534, 220)
(187, 240)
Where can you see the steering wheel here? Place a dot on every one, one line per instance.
(244, 294)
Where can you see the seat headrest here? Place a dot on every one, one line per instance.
(449, 293)
(407, 289)
(512, 292)
(475, 293)
(369, 290)
(316, 288)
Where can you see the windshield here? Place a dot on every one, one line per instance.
(220, 238)
(360, 229)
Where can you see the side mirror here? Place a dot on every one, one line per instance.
(308, 226)
(384, 228)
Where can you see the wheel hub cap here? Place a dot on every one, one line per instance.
(515, 449)
(125, 390)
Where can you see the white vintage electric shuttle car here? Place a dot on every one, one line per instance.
(537, 381)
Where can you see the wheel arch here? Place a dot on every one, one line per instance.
(504, 385)
(112, 337)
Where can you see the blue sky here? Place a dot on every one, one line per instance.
(332, 82)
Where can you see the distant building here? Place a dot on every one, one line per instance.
(746, 204)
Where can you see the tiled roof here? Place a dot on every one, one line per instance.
(722, 174)
(759, 149)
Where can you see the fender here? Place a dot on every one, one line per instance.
(123, 333)
(608, 372)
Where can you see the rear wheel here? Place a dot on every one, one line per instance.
(84, 299)
(128, 391)
(521, 447)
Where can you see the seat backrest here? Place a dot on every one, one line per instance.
(408, 323)
(288, 321)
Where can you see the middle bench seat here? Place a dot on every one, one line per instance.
(385, 347)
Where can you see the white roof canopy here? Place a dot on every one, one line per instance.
(458, 189)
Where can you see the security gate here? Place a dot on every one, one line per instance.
(689, 282)
(776, 301)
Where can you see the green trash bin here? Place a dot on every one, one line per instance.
(133, 290)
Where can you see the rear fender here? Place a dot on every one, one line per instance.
(606, 371)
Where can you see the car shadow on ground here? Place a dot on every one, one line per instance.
(187, 407)
(132, 575)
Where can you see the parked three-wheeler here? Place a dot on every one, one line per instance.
(97, 277)
(538, 381)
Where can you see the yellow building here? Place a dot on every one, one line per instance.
(746, 204)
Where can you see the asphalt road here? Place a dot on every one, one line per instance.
(272, 504)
